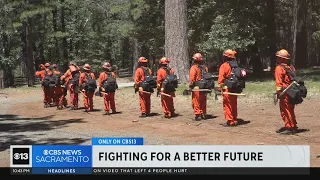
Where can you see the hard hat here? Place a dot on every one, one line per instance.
(230, 54)
(197, 57)
(164, 61)
(283, 54)
(106, 65)
(54, 65)
(143, 60)
(47, 65)
(87, 67)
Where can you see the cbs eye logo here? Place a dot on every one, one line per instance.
(20, 156)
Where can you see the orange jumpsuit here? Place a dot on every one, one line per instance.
(88, 100)
(229, 101)
(108, 97)
(286, 109)
(144, 98)
(47, 92)
(166, 102)
(74, 95)
(199, 99)
(58, 93)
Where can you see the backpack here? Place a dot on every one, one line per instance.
(236, 82)
(149, 82)
(170, 83)
(75, 78)
(57, 80)
(90, 85)
(49, 81)
(110, 83)
(296, 92)
(207, 79)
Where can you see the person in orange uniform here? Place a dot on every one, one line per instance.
(58, 91)
(199, 99)
(108, 98)
(282, 82)
(71, 78)
(88, 96)
(47, 93)
(144, 98)
(166, 101)
(229, 101)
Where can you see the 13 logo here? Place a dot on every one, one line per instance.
(20, 156)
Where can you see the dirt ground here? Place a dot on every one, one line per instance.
(263, 115)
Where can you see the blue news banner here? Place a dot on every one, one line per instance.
(60, 159)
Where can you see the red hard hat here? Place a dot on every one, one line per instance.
(230, 54)
(283, 54)
(47, 64)
(164, 61)
(197, 57)
(86, 67)
(143, 60)
(106, 65)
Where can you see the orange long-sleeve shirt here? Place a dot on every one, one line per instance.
(161, 75)
(139, 75)
(83, 78)
(195, 73)
(283, 79)
(224, 73)
(103, 76)
(41, 74)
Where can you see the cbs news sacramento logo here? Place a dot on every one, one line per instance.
(21, 156)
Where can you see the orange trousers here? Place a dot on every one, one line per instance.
(47, 95)
(199, 103)
(230, 108)
(88, 101)
(59, 96)
(287, 113)
(167, 104)
(109, 102)
(74, 97)
(145, 103)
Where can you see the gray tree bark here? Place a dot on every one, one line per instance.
(176, 39)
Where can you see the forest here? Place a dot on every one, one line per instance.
(33, 32)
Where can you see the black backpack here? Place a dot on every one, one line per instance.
(236, 82)
(75, 78)
(296, 93)
(57, 80)
(149, 82)
(49, 81)
(170, 83)
(110, 83)
(90, 85)
(207, 79)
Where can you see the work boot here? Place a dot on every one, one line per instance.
(143, 115)
(197, 118)
(288, 132)
(59, 108)
(203, 116)
(106, 113)
(114, 112)
(281, 130)
(72, 108)
(86, 110)
(227, 124)
(167, 116)
(46, 105)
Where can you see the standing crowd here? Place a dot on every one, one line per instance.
(231, 81)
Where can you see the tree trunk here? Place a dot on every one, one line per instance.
(136, 52)
(301, 57)
(56, 54)
(299, 53)
(23, 57)
(63, 29)
(176, 39)
(271, 32)
(29, 53)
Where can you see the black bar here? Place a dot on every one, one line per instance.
(200, 171)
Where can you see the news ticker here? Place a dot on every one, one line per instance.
(110, 156)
